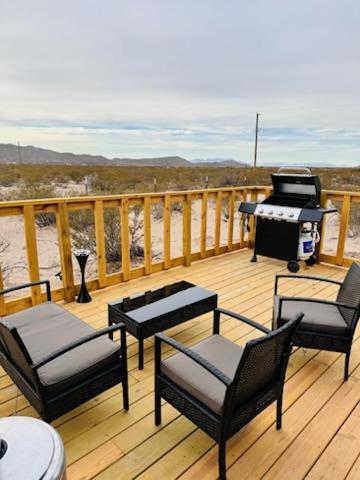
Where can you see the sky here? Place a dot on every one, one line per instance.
(146, 78)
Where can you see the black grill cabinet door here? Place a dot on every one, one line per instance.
(277, 239)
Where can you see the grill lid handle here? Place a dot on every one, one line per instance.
(296, 169)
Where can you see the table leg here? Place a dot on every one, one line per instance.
(141, 354)
(216, 325)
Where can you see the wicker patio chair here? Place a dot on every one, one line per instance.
(221, 386)
(57, 360)
(326, 325)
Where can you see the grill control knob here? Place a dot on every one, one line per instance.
(291, 215)
(271, 212)
(261, 211)
(281, 214)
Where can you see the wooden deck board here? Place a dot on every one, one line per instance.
(321, 419)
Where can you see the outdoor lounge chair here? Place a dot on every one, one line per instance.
(220, 386)
(57, 360)
(326, 325)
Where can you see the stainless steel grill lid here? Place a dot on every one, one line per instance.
(299, 190)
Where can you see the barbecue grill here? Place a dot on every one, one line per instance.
(288, 221)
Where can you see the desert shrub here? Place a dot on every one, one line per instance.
(354, 221)
(158, 211)
(230, 181)
(31, 192)
(83, 233)
(176, 207)
(6, 267)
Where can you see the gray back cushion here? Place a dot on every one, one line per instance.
(349, 292)
(13, 351)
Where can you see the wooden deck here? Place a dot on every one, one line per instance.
(320, 437)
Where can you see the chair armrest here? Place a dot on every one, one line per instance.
(160, 337)
(31, 284)
(75, 344)
(243, 319)
(304, 277)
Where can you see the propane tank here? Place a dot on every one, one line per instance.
(308, 237)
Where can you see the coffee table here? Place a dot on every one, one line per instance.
(153, 311)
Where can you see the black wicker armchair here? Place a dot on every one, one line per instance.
(220, 386)
(326, 325)
(57, 360)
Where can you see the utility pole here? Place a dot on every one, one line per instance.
(19, 151)
(256, 138)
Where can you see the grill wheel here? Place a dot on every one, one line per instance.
(293, 266)
(311, 261)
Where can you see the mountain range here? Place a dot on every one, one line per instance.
(10, 153)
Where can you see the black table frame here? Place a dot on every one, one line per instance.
(145, 329)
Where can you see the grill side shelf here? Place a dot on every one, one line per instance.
(248, 207)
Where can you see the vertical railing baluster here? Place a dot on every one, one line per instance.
(147, 235)
(32, 252)
(218, 222)
(252, 223)
(167, 231)
(231, 212)
(64, 240)
(187, 230)
(124, 239)
(2, 297)
(203, 227)
(344, 223)
(100, 242)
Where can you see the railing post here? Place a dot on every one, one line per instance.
(203, 231)
(31, 251)
(100, 242)
(167, 231)
(218, 222)
(187, 230)
(124, 239)
(147, 235)
(64, 241)
(344, 223)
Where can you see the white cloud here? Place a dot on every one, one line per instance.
(188, 75)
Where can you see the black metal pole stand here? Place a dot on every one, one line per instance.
(82, 257)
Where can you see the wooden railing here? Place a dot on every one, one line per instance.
(61, 208)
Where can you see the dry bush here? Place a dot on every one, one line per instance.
(83, 233)
(119, 179)
(31, 192)
(8, 268)
(157, 211)
(354, 222)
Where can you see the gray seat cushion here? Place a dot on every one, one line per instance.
(318, 317)
(198, 382)
(47, 327)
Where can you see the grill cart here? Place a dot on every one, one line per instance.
(288, 221)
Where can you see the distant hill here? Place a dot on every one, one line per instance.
(219, 162)
(10, 153)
